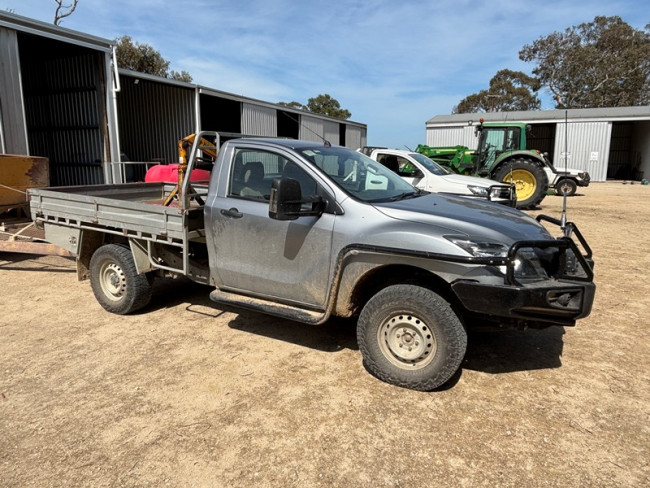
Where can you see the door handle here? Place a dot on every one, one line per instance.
(232, 213)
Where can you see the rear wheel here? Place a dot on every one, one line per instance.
(115, 282)
(531, 182)
(566, 187)
(409, 336)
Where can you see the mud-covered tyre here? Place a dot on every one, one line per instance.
(115, 281)
(410, 337)
(566, 186)
(531, 182)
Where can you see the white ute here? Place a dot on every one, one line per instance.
(566, 180)
(425, 174)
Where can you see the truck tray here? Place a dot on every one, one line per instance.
(133, 208)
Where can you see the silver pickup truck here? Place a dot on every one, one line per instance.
(307, 231)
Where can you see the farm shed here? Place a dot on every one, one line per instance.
(56, 99)
(62, 97)
(155, 112)
(609, 143)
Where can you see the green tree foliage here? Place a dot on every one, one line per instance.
(296, 105)
(604, 63)
(508, 91)
(145, 59)
(321, 104)
(326, 105)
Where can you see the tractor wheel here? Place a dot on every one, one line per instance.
(115, 282)
(566, 187)
(410, 337)
(531, 182)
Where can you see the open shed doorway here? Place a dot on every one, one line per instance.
(542, 138)
(627, 150)
(65, 111)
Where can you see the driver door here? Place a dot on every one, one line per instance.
(287, 260)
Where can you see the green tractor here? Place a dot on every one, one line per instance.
(501, 156)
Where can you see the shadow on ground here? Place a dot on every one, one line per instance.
(11, 261)
(334, 335)
(514, 350)
(490, 352)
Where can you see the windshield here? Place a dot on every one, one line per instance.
(358, 175)
(430, 165)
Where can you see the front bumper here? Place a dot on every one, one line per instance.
(555, 303)
(566, 296)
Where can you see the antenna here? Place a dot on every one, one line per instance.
(299, 122)
(566, 156)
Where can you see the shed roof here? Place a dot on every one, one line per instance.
(233, 96)
(581, 114)
(44, 29)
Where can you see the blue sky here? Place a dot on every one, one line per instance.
(393, 64)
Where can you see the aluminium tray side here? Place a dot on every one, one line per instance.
(131, 207)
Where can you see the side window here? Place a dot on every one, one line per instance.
(397, 164)
(494, 144)
(390, 161)
(512, 139)
(406, 168)
(252, 173)
(307, 183)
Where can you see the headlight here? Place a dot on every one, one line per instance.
(480, 248)
(528, 265)
(504, 192)
(481, 191)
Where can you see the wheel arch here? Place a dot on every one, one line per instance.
(90, 241)
(352, 298)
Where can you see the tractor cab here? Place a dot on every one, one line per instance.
(495, 140)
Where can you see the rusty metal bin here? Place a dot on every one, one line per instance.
(17, 174)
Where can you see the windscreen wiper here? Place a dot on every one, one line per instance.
(405, 195)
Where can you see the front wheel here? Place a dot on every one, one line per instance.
(409, 336)
(115, 281)
(566, 187)
(531, 182)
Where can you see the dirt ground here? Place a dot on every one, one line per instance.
(186, 394)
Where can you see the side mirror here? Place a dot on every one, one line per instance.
(417, 173)
(285, 199)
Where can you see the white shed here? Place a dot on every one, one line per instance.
(609, 143)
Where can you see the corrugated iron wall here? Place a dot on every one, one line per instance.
(311, 128)
(13, 129)
(257, 120)
(64, 109)
(152, 117)
(451, 136)
(588, 147)
(331, 131)
(354, 137)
